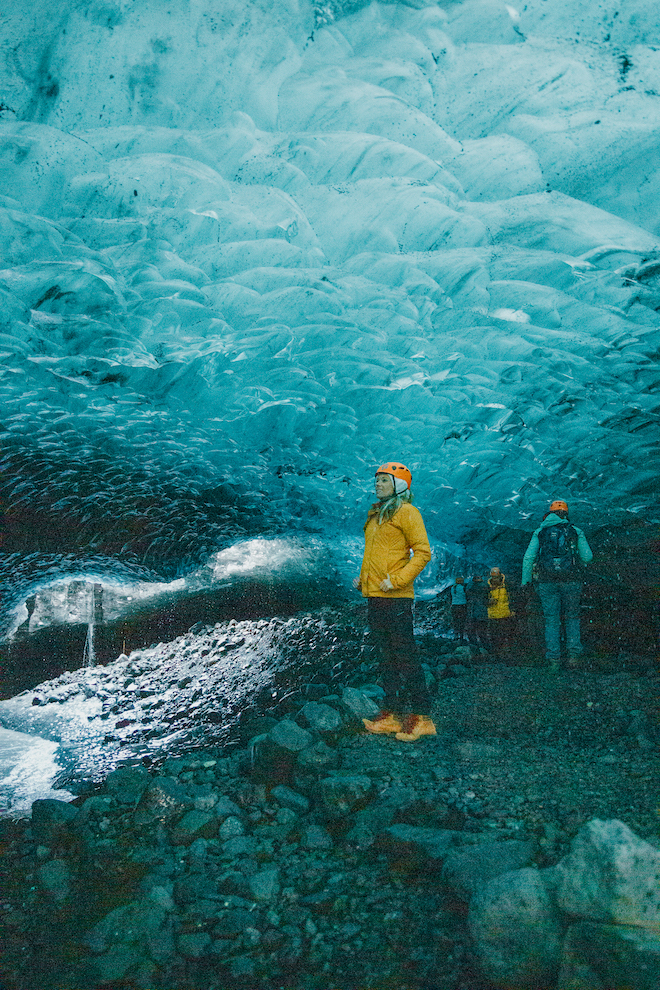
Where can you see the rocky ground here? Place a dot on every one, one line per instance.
(313, 856)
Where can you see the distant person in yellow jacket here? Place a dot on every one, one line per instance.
(396, 550)
(499, 614)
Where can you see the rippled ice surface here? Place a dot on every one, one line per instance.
(250, 251)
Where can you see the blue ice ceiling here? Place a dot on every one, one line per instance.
(250, 250)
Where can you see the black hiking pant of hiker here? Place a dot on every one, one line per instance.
(391, 626)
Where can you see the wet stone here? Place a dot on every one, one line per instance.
(290, 737)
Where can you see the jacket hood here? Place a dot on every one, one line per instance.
(552, 519)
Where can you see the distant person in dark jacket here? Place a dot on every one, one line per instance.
(477, 593)
(458, 608)
(555, 557)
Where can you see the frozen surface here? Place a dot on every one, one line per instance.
(164, 700)
(251, 250)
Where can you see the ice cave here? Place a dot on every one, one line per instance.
(251, 250)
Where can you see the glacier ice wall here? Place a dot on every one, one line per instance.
(250, 250)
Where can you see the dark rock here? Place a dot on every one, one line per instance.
(517, 931)
(265, 885)
(468, 869)
(318, 758)
(316, 837)
(289, 798)
(224, 807)
(162, 800)
(320, 718)
(195, 886)
(51, 820)
(358, 705)
(192, 945)
(55, 878)
(343, 795)
(289, 736)
(194, 825)
(232, 923)
(416, 846)
(610, 956)
(127, 783)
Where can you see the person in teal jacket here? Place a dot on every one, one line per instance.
(555, 557)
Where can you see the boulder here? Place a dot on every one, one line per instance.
(289, 736)
(610, 875)
(468, 869)
(598, 956)
(516, 931)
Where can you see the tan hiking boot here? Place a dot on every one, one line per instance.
(415, 726)
(384, 722)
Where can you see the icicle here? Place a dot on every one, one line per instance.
(89, 657)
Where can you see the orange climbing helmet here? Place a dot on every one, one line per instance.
(559, 506)
(401, 476)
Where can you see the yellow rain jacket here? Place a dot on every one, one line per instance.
(387, 550)
(498, 602)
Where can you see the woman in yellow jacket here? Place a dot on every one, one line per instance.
(396, 550)
(499, 613)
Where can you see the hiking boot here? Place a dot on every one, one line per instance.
(415, 726)
(384, 722)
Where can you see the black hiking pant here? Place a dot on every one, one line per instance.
(391, 626)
